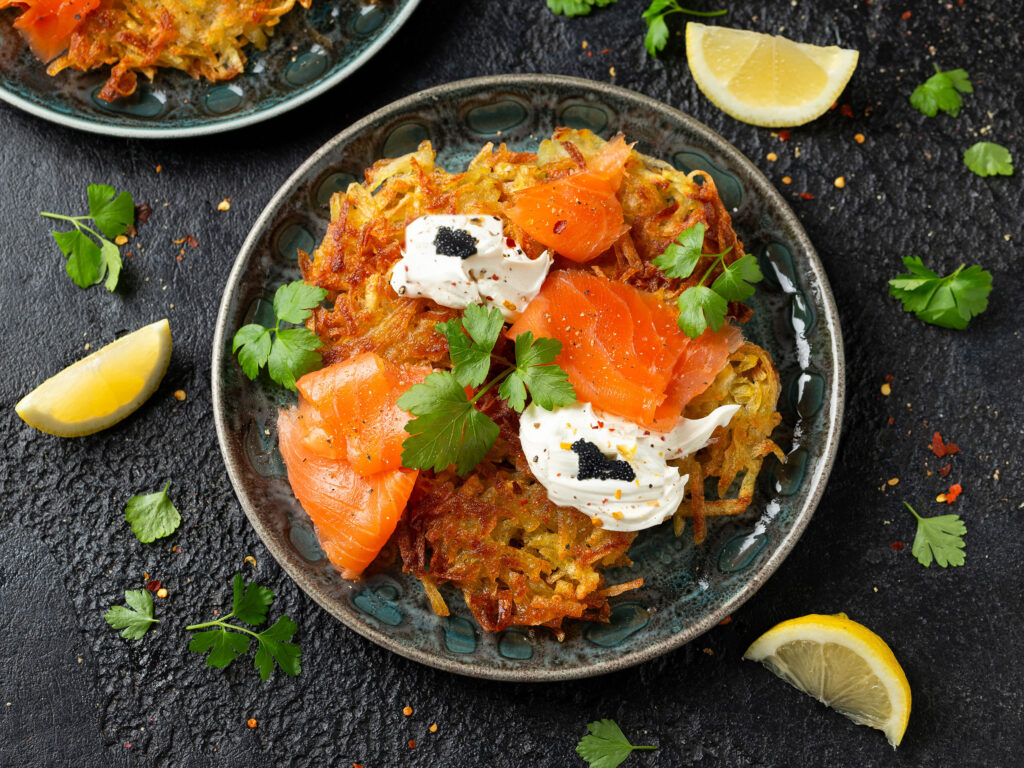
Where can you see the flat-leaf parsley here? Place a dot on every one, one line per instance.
(606, 746)
(89, 262)
(938, 537)
(942, 91)
(226, 642)
(152, 515)
(657, 29)
(135, 618)
(987, 158)
(572, 8)
(950, 301)
(448, 429)
(288, 353)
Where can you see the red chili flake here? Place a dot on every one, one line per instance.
(941, 449)
(906, 15)
(412, 743)
(560, 226)
(954, 491)
(806, 195)
(181, 258)
(131, 231)
(127, 745)
(725, 621)
(784, 135)
(944, 471)
(510, 242)
(834, 105)
(897, 545)
(892, 420)
(589, 54)
(153, 585)
(889, 377)
(846, 110)
(142, 213)
(606, 50)
(191, 241)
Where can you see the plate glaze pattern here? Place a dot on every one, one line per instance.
(687, 589)
(310, 51)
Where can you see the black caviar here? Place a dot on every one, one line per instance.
(594, 464)
(450, 241)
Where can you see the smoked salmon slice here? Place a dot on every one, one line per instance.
(622, 348)
(48, 24)
(357, 400)
(354, 515)
(579, 216)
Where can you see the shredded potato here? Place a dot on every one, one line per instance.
(517, 558)
(204, 38)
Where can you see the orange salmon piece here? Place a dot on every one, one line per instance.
(48, 24)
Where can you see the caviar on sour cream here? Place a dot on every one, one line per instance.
(458, 260)
(610, 468)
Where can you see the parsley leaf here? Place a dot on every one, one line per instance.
(734, 284)
(989, 159)
(447, 429)
(942, 91)
(88, 263)
(949, 302)
(605, 746)
(573, 8)
(136, 618)
(226, 642)
(287, 353)
(681, 257)
(548, 383)
(152, 516)
(657, 29)
(938, 536)
(701, 308)
(471, 355)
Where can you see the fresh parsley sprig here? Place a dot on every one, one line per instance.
(89, 262)
(950, 301)
(448, 429)
(657, 29)
(938, 537)
(226, 642)
(701, 307)
(986, 158)
(605, 746)
(135, 618)
(152, 516)
(573, 8)
(942, 91)
(288, 353)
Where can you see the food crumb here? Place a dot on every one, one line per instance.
(162, 592)
(120, 240)
(159, 169)
(611, 71)
(772, 157)
(875, 588)
(787, 180)
(224, 205)
(179, 395)
(941, 498)
(250, 560)
(87, 346)
(887, 389)
(407, 710)
(585, 44)
(708, 651)
(893, 481)
(251, 722)
(859, 138)
(840, 182)
(433, 728)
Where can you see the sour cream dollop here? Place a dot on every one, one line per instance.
(458, 260)
(556, 447)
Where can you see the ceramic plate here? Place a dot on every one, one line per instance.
(310, 52)
(687, 589)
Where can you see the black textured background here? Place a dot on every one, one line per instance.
(72, 692)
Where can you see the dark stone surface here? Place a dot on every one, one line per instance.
(66, 553)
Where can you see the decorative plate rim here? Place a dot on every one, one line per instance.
(218, 125)
(802, 516)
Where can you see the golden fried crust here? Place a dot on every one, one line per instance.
(204, 38)
(494, 535)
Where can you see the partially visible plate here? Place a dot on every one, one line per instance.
(687, 589)
(310, 51)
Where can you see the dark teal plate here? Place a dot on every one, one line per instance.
(687, 589)
(309, 52)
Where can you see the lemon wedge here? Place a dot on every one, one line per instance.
(842, 664)
(103, 388)
(763, 79)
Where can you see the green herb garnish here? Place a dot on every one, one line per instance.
(605, 746)
(701, 307)
(135, 618)
(657, 29)
(942, 91)
(288, 353)
(448, 429)
(572, 8)
(938, 537)
(989, 159)
(88, 262)
(950, 301)
(152, 515)
(225, 643)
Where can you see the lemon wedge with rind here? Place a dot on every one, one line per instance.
(844, 665)
(766, 80)
(103, 388)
